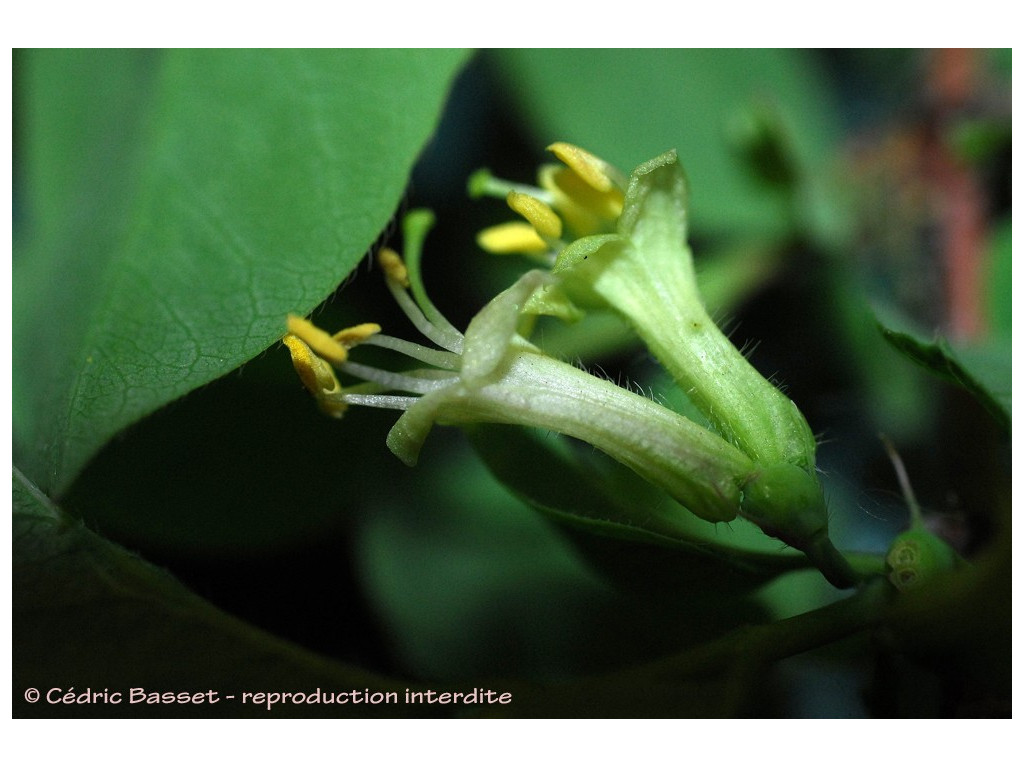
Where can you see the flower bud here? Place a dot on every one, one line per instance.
(916, 556)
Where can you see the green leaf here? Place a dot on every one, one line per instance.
(177, 205)
(90, 615)
(475, 583)
(627, 105)
(999, 280)
(583, 492)
(982, 370)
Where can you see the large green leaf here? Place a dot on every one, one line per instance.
(471, 582)
(88, 615)
(177, 205)
(628, 105)
(983, 370)
(585, 492)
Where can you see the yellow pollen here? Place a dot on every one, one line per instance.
(357, 334)
(393, 266)
(590, 168)
(513, 237)
(537, 212)
(585, 210)
(320, 340)
(316, 375)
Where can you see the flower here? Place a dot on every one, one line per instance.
(632, 256)
(604, 247)
(493, 374)
(619, 244)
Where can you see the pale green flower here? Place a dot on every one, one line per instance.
(492, 374)
(612, 243)
(632, 257)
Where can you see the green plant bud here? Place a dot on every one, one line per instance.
(759, 139)
(915, 556)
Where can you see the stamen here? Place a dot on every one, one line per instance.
(415, 227)
(394, 271)
(537, 212)
(585, 209)
(396, 402)
(483, 184)
(598, 173)
(416, 317)
(357, 334)
(393, 266)
(437, 357)
(316, 375)
(319, 340)
(512, 237)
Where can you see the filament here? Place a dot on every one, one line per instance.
(449, 338)
(436, 357)
(396, 402)
(420, 381)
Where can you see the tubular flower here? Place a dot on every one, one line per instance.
(612, 243)
(630, 255)
(493, 374)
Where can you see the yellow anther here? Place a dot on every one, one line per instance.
(590, 168)
(537, 212)
(317, 376)
(357, 334)
(393, 266)
(513, 237)
(586, 211)
(325, 345)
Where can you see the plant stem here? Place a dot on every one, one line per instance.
(719, 671)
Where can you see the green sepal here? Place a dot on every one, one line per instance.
(574, 255)
(654, 211)
(492, 330)
(786, 502)
(553, 301)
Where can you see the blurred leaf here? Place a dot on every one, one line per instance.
(724, 677)
(759, 140)
(178, 204)
(979, 140)
(983, 371)
(629, 105)
(266, 471)
(730, 276)
(91, 615)
(472, 582)
(582, 490)
(895, 398)
(469, 582)
(999, 285)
